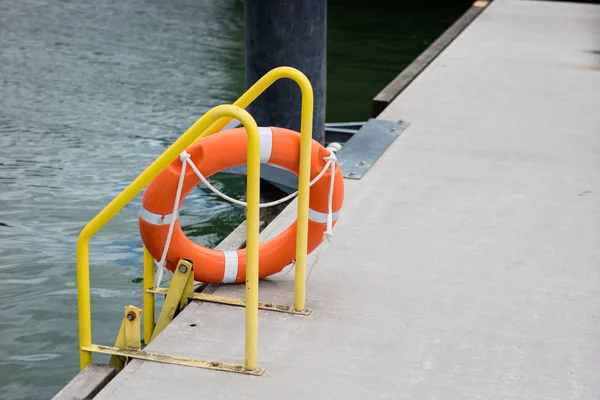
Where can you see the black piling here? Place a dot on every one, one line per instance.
(287, 33)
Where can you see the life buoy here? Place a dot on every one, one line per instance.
(218, 152)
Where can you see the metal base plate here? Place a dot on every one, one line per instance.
(363, 150)
(168, 359)
(232, 301)
(363, 142)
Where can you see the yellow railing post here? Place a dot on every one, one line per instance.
(148, 297)
(306, 122)
(83, 298)
(138, 184)
(304, 176)
(252, 242)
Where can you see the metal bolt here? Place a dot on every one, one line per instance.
(362, 163)
(182, 269)
(130, 316)
(351, 174)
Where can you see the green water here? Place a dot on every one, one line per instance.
(90, 93)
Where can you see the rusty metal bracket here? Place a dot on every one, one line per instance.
(128, 342)
(180, 290)
(128, 337)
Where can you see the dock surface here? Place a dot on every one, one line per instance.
(466, 263)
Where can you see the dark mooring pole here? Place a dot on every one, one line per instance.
(287, 33)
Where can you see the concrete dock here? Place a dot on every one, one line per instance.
(466, 263)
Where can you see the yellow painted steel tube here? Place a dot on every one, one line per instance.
(148, 297)
(263, 84)
(304, 176)
(252, 242)
(306, 122)
(138, 184)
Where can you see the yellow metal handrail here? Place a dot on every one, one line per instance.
(139, 183)
(306, 120)
(212, 122)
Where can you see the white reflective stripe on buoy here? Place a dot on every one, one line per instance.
(320, 217)
(266, 143)
(156, 219)
(231, 266)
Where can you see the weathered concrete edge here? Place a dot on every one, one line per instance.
(395, 87)
(87, 383)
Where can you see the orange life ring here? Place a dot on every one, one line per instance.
(218, 152)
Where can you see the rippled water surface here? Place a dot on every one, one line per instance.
(90, 93)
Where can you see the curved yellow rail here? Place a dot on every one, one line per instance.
(304, 176)
(198, 129)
